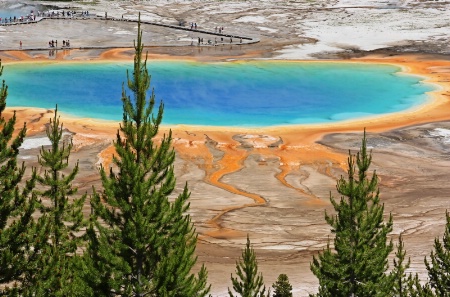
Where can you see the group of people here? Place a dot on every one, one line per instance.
(193, 26)
(210, 42)
(14, 19)
(32, 16)
(218, 29)
(54, 43)
(63, 13)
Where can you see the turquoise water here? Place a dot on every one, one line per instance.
(247, 94)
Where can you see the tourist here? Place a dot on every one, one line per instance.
(21, 44)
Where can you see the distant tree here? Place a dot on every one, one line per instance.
(282, 287)
(17, 205)
(398, 275)
(357, 264)
(142, 240)
(61, 218)
(439, 266)
(248, 283)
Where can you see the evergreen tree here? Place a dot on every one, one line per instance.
(61, 218)
(439, 267)
(17, 204)
(248, 282)
(141, 242)
(415, 289)
(282, 287)
(359, 261)
(398, 275)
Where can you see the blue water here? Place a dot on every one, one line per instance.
(246, 94)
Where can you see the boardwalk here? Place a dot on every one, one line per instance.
(96, 32)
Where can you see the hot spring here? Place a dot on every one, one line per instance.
(243, 94)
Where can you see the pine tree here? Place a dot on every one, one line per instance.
(439, 267)
(282, 287)
(398, 275)
(359, 261)
(17, 204)
(61, 218)
(415, 289)
(248, 282)
(141, 242)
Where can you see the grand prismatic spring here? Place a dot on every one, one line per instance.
(273, 182)
(247, 94)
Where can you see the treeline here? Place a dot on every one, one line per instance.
(138, 242)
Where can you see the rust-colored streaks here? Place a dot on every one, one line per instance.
(105, 157)
(231, 162)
